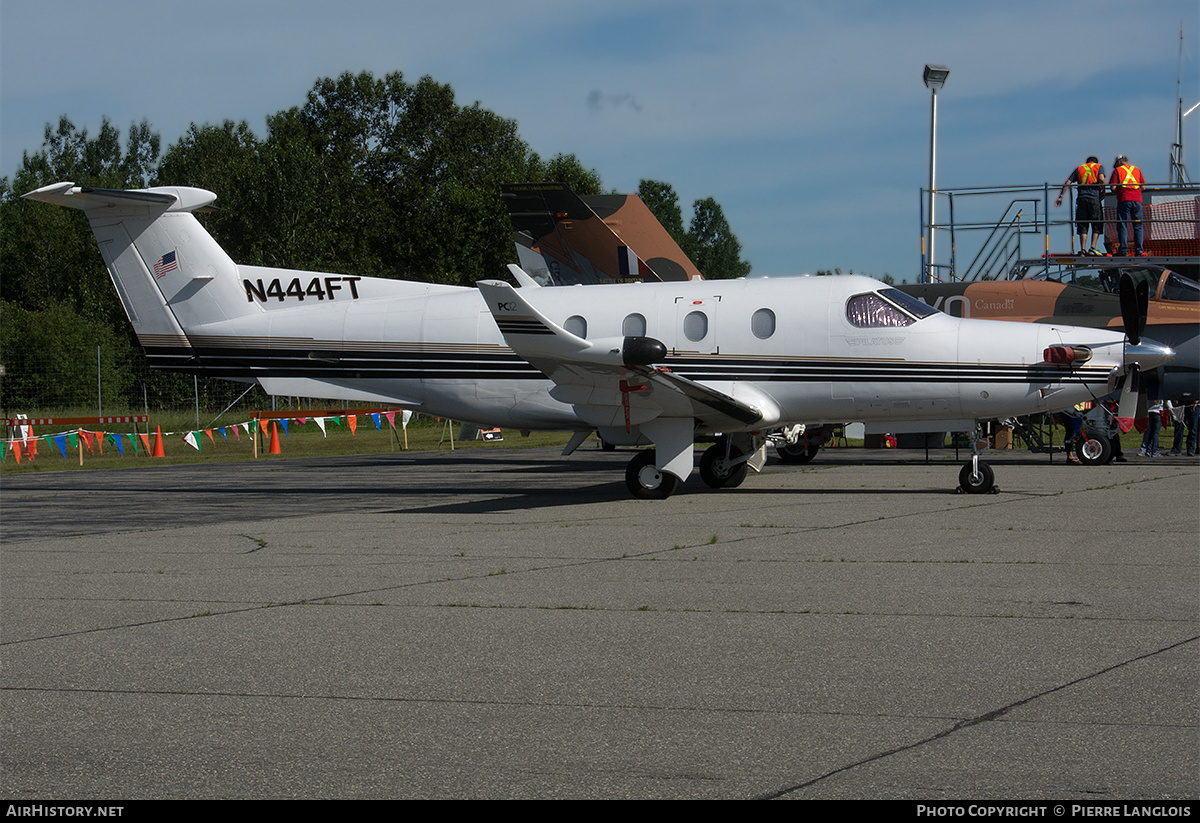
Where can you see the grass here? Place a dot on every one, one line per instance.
(424, 434)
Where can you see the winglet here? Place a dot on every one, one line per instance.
(522, 277)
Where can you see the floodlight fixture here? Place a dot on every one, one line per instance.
(935, 76)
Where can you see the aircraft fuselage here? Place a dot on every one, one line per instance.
(784, 344)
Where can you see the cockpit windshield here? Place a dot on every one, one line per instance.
(885, 308)
(917, 308)
(1178, 287)
(1104, 280)
(1107, 279)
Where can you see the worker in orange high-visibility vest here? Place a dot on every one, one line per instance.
(1090, 180)
(1127, 185)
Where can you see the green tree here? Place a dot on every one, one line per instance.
(224, 159)
(709, 243)
(141, 156)
(371, 176)
(563, 168)
(663, 203)
(443, 166)
(712, 245)
(49, 356)
(49, 254)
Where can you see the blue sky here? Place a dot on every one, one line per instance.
(808, 122)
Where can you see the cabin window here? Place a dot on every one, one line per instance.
(576, 325)
(762, 323)
(634, 326)
(695, 326)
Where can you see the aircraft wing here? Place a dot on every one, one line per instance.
(609, 381)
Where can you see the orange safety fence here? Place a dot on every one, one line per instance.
(1171, 228)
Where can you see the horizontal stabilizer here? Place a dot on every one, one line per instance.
(162, 199)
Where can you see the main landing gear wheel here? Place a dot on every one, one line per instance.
(719, 472)
(981, 481)
(802, 451)
(645, 481)
(1093, 450)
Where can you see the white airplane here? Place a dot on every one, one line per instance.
(667, 364)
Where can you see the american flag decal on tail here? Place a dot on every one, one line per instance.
(168, 262)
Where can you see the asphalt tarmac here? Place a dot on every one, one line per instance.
(507, 623)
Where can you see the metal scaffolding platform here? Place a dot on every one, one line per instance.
(1025, 238)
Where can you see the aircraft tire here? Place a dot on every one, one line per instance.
(1092, 450)
(645, 481)
(982, 483)
(803, 450)
(716, 473)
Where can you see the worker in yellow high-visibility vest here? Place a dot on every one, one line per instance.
(1089, 178)
(1127, 185)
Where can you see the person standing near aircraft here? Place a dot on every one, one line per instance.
(1073, 423)
(1153, 427)
(1191, 416)
(1184, 417)
(1127, 184)
(1090, 180)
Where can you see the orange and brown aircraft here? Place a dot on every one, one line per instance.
(1087, 296)
(563, 239)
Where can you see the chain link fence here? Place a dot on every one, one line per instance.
(99, 381)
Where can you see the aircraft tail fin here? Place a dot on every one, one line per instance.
(170, 274)
(563, 239)
(638, 229)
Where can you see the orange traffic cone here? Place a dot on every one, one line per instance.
(274, 438)
(158, 446)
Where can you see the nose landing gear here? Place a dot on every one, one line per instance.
(977, 477)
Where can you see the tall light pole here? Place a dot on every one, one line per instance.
(935, 78)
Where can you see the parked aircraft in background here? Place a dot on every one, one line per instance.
(667, 364)
(1088, 296)
(563, 239)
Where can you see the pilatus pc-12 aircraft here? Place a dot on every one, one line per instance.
(665, 364)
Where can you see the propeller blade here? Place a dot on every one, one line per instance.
(1135, 304)
(1131, 394)
(1143, 408)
